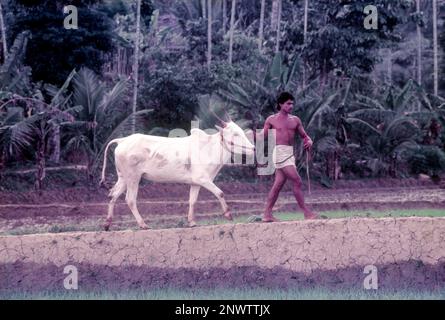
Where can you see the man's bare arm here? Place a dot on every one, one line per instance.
(307, 140)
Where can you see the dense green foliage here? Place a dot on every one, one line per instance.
(356, 89)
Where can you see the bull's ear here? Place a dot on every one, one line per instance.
(219, 128)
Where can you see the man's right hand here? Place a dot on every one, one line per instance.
(308, 143)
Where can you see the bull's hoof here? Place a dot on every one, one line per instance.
(228, 216)
(192, 224)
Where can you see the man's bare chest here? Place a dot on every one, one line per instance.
(288, 125)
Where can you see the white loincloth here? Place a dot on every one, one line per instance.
(280, 154)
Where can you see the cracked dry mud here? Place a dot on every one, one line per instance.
(408, 252)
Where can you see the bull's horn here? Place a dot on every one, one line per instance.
(222, 122)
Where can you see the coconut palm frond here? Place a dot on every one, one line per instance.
(111, 99)
(88, 91)
(17, 137)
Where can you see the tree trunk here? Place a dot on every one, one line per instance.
(419, 47)
(435, 49)
(419, 53)
(3, 31)
(224, 16)
(306, 9)
(274, 15)
(209, 33)
(323, 77)
(389, 67)
(136, 64)
(232, 30)
(40, 173)
(40, 156)
(277, 47)
(203, 5)
(261, 30)
(55, 141)
(337, 167)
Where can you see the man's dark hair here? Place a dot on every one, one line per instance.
(283, 97)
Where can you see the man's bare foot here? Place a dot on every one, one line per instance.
(143, 226)
(107, 225)
(228, 216)
(270, 219)
(311, 216)
(192, 224)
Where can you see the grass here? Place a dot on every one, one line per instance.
(292, 216)
(231, 294)
(94, 226)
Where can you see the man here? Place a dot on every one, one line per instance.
(286, 127)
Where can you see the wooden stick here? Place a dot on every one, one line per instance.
(307, 171)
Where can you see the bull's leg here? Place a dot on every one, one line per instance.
(194, 191)
(115, 192)
(132, 193)
(220, 196)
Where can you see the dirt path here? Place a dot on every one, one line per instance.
(171, 211)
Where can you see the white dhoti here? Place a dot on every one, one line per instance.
(283, 156)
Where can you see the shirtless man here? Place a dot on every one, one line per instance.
(286, 126)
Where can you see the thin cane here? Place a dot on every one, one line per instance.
(307, 170)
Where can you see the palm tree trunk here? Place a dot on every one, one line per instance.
(224, 16)
(277, 47)
(136, 64)
(435, 48)
(274, 15)
(203, 5)
(419, 53)
(232, 27)
(261, 30)
(306, 11)
(3, 31)
(209, 33)
(419, 47)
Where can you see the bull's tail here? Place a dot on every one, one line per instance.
(102, 180)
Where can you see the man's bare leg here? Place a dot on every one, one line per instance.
(292, 174)
(272, 197)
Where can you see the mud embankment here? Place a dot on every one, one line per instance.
(408, 252)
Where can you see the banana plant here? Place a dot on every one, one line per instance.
(98, 115)
(252, 96)
(385, 128)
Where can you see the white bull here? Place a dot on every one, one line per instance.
(194, 160)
